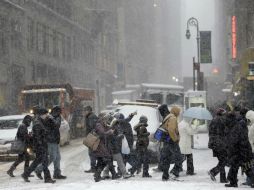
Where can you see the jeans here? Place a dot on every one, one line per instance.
(54, 156)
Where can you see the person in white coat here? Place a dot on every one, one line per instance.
(250, 117)
(186, 130)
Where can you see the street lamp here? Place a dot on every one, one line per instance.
(194, 22)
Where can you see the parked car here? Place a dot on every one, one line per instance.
(9, 126)
(154, 121)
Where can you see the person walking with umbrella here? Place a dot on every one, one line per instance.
(186, 130)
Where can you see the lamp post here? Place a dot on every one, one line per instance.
(196, 66)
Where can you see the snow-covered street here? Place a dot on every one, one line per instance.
(75, 161)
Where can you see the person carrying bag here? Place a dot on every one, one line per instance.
(92, 140)
(19, 146)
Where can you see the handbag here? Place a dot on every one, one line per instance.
(125, 146)
(161, 135)
(92, 141)
(17, 146)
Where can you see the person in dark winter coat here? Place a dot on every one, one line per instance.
(239, 149)
(53, 124)
(164, 112)
(103, 153)
(40, 147)
(218, 145)
(22, 135)
(125, 127)
(142, 144)
(90, 123)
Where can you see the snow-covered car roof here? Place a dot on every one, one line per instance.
(151, 113)
(9, 133)
(12, 117)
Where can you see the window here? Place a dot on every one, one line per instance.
(68, 48)
(33, 71)
(75, 48)
(62, 46)
(41, 38)
(55, 44)
(30, 34)
(16, 35)
(251, 68)
(3, 36)
(50, 34)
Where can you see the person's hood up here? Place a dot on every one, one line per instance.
(175, 110)
(250, 116)
(163, 109)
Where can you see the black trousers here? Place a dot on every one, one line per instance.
(220, 168)
(143, 158)
(233, 171)
(102, 162)
(21, 158)
(170, 154)
(92, 159)
(189, 160)
(41, 158)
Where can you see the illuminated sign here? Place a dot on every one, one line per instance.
(233, 31)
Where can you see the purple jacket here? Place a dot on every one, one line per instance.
(105, 134)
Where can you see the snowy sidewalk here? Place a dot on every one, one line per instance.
(75, 161)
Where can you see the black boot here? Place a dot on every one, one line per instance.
(38, 174)
(212, 176)
(146, 174)
(223, 178)
(59, 176)
(49, 180)
(165, 177)
(97, 176)
(114, 174)
(25, 178)
(10, 171)
(231, 185)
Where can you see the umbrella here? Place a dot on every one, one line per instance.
(198, 113)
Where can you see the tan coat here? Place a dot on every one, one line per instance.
(171, 125)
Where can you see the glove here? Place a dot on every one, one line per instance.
(121, 136)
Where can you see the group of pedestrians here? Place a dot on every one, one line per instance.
(231, 140)
(113, 131)
(44, 141)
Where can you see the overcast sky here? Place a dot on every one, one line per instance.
(203, 10)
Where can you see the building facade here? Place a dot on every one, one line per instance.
(41, 42)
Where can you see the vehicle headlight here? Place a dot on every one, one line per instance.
(31, 111)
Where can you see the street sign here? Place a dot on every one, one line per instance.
(205, 47)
